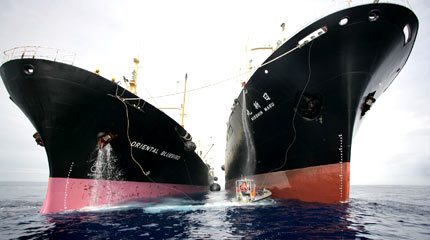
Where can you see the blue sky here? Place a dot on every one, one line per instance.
(207, 39)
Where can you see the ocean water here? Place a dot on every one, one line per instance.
(373, 212)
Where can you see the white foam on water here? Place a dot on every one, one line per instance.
(105, 208)
(177, 207)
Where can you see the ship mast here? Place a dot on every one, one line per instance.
(182, 108)
(183, 101)
(132, 85)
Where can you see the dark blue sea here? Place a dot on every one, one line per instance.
(373, 212)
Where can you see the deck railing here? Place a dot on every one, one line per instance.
(38, 52)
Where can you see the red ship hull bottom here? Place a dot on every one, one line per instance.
(324, 184)
(64, 194)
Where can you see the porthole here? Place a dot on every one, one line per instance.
(407, 33)
(373, 15)
(343, 21)
(28, 69)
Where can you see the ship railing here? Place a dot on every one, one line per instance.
(341, 4)
(38, 52)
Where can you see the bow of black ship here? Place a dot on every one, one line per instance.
(291, 127)
(104, 144)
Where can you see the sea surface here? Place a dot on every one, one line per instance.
(373, 212)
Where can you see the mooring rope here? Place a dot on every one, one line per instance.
(211, 85)
(202, 87)
(230, 78)
(294, 117)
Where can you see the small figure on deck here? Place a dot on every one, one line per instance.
(97, 72)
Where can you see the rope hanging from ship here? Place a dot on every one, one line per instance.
(129, 140)
(146, 173)
(294, 116)
(299, 46)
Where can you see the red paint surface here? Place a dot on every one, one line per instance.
(325, 184)
(69, 194)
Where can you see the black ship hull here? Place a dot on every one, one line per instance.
(292, 125)
(72, 109)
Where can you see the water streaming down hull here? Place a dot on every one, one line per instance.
(249, 166)
(104, 167)
(70, 108)
(327, 87)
